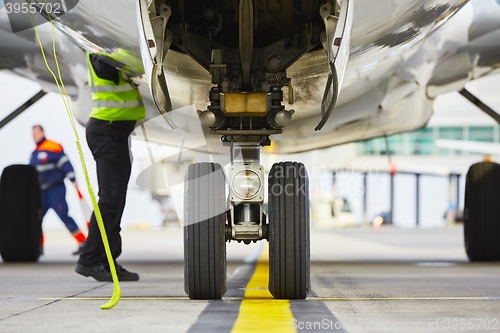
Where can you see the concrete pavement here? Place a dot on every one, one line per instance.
(390, 280)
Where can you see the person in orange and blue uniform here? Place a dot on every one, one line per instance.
(53, 166)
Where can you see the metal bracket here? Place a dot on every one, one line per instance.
(163, 39)
(247, 231)
(337, 42)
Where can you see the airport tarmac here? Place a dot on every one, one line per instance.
(363, 280)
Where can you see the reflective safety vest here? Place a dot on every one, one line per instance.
(113, 102)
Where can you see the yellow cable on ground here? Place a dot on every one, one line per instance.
(97, 212)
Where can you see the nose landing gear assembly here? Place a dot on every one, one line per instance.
(214, 216)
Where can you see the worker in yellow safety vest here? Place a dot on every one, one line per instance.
(116, 106)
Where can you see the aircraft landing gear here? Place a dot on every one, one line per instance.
(206, 211)
(205, 208)
(245, 110)
(482, 212)
(20, 214)
(289, 231)
(206, 231)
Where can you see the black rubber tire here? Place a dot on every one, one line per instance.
(289, 239)
(205, 209)
(20, 214)
(482, 212)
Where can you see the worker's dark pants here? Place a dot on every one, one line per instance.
(55, 198)
(109, 143)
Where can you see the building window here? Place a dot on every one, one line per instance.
(421, 142)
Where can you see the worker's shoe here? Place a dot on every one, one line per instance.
(97, 272)
(81, 247)
(124, 275)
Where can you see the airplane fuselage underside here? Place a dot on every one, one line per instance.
(286, 52)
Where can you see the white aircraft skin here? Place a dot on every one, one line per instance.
(403, 53)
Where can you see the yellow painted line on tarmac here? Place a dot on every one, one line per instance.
(327, 299)
(259, 311)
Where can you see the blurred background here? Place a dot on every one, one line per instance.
(340, 196)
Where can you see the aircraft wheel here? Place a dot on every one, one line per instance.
(482, 212)
(20, 214)
(289, 242)
(205, 207)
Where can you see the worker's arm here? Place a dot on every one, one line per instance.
(67, 169)
(103, 68)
